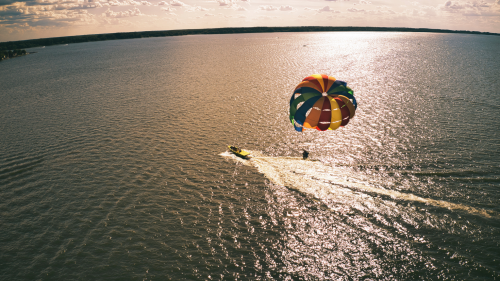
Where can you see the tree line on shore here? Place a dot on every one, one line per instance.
(7, 54)
(14, 45)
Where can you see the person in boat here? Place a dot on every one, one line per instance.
(236, 149)
(305, 154)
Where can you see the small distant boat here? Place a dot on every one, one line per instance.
(239, 152)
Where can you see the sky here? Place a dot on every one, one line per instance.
(30, 19)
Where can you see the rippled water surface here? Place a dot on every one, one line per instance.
(113, 162)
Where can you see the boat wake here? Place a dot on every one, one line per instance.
(339, 186)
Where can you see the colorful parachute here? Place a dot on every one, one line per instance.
(321, 102)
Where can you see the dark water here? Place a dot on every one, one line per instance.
(113, 162)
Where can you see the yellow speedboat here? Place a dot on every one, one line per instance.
(239, 152)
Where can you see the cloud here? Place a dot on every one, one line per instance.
(453, 6)
(354, 10)
(237, 7)
(123, 14)
(225, 2)
(428, 11)
(27, 3)
(266, 17)
(13, 11)
(127, 3)
(168, 9)
(268, 8)
(327, 9)
(381, 10)
(73, 5)
(231, 4)
(286, 8)
(7, 2)
(177, 3)
(163, 3)
(59, 3)
(477, 8)
(197, 9)
(460, 5)
(44, 2)
(22, 11)
(21, 17)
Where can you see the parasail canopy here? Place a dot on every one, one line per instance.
(321, 102)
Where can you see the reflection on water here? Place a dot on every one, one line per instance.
(111, 167)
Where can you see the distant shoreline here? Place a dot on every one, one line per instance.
(10, 54)
(8, 58)
(32, 43)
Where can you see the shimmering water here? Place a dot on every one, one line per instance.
(113, 162)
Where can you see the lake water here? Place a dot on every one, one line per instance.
(113, 162)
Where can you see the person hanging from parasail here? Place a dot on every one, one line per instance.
(305, 154)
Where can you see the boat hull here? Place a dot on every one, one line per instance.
(241, 153)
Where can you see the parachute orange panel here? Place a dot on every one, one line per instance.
(321, 102)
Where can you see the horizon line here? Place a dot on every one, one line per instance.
(49, 41)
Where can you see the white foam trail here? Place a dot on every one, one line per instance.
(317, 179)
(235, 158)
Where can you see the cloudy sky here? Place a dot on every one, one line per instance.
(28, 19)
